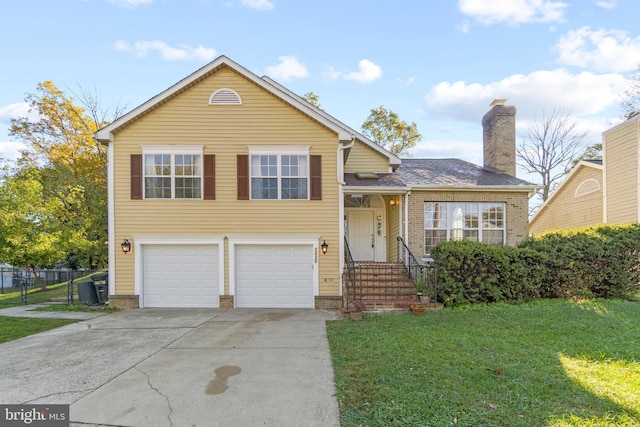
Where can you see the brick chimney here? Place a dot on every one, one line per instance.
(499, 138)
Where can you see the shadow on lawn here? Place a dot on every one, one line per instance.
(603, 371)
(547, 363)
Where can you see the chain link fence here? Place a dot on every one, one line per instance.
(23, 280)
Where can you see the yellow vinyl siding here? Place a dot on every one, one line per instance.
(226, 131)
(565, 210)
(364, 159)
(621, 168)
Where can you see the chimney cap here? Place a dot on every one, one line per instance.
(498, 101)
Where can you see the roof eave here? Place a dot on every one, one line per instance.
(375, 189)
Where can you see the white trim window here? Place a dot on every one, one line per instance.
(172, 173)
(479, 222)
(279, 176)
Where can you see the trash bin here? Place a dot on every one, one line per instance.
(87, 293)
(102, 289)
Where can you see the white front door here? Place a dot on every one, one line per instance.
(361, 237)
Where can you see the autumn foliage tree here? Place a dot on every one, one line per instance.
(65, 170)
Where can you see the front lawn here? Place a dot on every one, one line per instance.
(12, 328)
(546, 363)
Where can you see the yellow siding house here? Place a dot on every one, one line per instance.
(228, 190)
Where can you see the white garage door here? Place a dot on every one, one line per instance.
(180, 276)
(273, 276)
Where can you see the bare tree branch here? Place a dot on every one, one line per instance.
(549, 148)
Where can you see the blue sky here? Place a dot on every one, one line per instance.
(436, 63)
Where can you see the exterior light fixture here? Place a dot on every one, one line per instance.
(394, 202)
(126, 246)
(324, 247)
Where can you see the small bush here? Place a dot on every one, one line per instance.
(592, 262)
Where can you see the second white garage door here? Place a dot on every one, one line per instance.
(274, 276)
(180, 276)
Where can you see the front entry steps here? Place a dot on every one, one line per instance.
(382, 286)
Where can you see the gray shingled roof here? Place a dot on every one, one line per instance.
(439, 173)
(452, 172)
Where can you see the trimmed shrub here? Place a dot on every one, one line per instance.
(592, 262)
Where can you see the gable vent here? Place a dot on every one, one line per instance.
(225, 96)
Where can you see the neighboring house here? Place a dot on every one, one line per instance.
(230, 189)
(577, 202)
(599, 192)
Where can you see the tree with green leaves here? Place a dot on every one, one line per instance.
(67, 168)
(549, 148)
(312, 99)
(385, 128)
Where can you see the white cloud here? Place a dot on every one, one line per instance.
(168, 53)
(288, 67)
(331, 73)
(258, 4)
(583, 94)
(368, 72)
(130, 4)
(15, 111)
(600, 50)
(513, 12)
(607, 4)
(10, 150)
(406, 82)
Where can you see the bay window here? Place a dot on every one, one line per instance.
(479, 222)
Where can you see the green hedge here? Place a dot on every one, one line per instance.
(593, 262)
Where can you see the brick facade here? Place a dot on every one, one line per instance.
(517, 208)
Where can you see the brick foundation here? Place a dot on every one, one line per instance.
(226, 301)
(328, 301)
(124, 301)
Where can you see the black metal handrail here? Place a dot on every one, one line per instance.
(423, 275)
(350, 265)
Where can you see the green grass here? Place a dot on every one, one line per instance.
(76, 307)
(547, 363)
(12, 328)
(34, 295)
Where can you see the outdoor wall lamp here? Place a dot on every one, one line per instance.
(324, 247)
(394, 202)
(126, 246)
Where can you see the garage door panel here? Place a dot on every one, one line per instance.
(274, 276)
(180, 275)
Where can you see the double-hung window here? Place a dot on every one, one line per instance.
(279, 175)
(479, 222)
(172, 174)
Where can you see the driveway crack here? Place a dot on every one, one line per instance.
(146, 375)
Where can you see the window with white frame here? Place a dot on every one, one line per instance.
(172, 174)
(279, 176)
(479, 222)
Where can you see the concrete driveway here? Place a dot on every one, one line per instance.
(180, 367)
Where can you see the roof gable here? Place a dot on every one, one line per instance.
(105, 134)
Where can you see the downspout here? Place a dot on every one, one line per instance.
(340, 159)
(341, 182)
